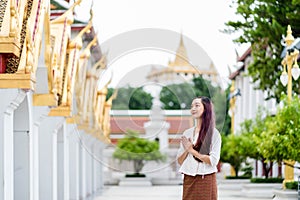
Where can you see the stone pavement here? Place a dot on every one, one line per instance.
(164, 192)
(159, 193)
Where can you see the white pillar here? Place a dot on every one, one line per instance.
(23, 153)
(82, 161)
(98, 166)
(10, 100)
(66, 162)
(74, 149)
(62, 162)
(87, 145)
(54, 165)
(39, 115)
(48, 157)
(245, 98)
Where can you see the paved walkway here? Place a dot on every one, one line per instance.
(166, 192)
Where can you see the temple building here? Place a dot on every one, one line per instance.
(183, 69)
(54, 120)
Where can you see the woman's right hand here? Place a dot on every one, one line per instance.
(187, 143)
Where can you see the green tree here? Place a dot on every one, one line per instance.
(232, 151)
(139, 150)
(131, 98)
(282, 135)
(262, 23)
(140, 100)
(204, 87)
(251, 130)
(177, 96)
(221, 106)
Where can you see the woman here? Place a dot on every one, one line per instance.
(199, 153)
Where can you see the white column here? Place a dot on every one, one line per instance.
(54, 165)
(66, 162)
(39, 115)
(62, 163)
(74, 162)
(239, 106)
(245, 98)
(10, 100)
(87, 144)
(47, 153)
(82, 168)
(33, 149)
(98, 166)
(95, 166)
(89, 171)
(253, 100)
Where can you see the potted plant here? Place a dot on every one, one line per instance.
(138, 150)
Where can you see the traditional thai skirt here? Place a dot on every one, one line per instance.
(200, 187)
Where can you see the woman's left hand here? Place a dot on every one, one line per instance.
(187, 143)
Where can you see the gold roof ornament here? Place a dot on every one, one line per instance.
(20, 39)
(68, 16)
(181, 58)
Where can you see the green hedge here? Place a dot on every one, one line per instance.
(266, 180)
(237, 177)
(292, 185)
(135, 175)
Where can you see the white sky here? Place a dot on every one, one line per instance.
(198, 20)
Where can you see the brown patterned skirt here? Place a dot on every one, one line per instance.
(200, 187)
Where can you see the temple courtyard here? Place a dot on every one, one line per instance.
(227, 190)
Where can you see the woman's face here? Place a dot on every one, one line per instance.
(197, 108)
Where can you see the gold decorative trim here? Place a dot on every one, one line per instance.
(63, 111)
(21, 81)
(71, 120)
(9, 45)
(83, 126)
(3, 5)
(45, 100)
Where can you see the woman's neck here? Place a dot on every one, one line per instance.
(198, 125)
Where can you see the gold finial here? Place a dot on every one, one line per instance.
(101, 63)
(86, 51)
(67, 15)
(289, 37)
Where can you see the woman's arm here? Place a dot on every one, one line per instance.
(182, 157)
(214, 155)
(204, 158)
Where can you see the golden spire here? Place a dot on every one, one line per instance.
(181, 58)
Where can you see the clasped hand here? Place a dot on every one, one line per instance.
(187, 143)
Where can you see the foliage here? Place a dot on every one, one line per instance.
(251, 131)
(291, 185)
(131, 98)
(262, 23)
(247, 169)
(177, 96)
(263, 180)
(232, 151)
(180, 96)
(237, 177)
(283, 132)
(221, 107)
(204, 87)
(139, 150)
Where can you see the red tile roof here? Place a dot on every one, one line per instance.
(119, 124)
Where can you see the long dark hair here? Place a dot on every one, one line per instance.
(207, 127)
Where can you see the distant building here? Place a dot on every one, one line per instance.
(121, 120)
(182, 69)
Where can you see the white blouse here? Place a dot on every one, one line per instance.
(192, 167)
